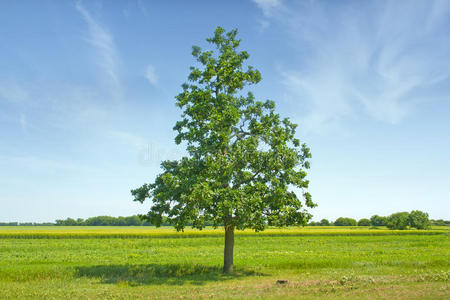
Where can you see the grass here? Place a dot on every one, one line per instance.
(169, 232)
(125, 262)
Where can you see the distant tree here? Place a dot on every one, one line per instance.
(9, 224)
(439, 222)
(364, 222)
(419, 220)
(345, 222)
(26, 224)
(398, 220)
(312, 223)
(376, 220)
(45, 224)
(67, 222)
(243, 160)
(324, 222)
(101, 221)
(133, 221)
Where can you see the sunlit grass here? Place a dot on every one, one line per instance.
(318, 262)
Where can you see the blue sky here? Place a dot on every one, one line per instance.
(87, 98)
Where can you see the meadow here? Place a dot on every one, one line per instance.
(145, 262)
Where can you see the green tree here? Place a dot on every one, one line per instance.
(419, 219)
(67, 222)
(243, 160)
(324, 222)
(345, 222)
(439, 222)
(133, 221)
(364, 222)
(398, 220)
(376, 220)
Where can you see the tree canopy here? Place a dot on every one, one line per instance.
(244, 166)
(419, 219)
(345, 222)
(398, 220)
(364, 222)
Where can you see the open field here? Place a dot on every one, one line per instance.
(124, 262)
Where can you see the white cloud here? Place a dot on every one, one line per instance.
(269, 9)
(377, 59)
(103, 41)
(151, 76)
(268, 6)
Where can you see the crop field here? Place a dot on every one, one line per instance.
(144, 262)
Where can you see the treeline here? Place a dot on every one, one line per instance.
(26, 224)
(401, 220)
(105, 221)
(134, 220)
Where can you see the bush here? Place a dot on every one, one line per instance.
(398, 221)
(345, 222)
(419, 220)
(376, 220)
(324, 222)
(364, 222)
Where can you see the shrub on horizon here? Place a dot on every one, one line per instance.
(419, 219)
(345, 222)
(364, 222)
(398, 220)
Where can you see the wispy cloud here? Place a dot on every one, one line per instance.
(151, 76)
(23, 122)
(128, 138)
(269, 9)
(54, 104)
(103, 41)
(268, 6)
(148, 153)
(142, 7)
(10, 91)
(379, 59)
(41, 164)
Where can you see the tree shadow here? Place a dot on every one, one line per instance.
(154, 274)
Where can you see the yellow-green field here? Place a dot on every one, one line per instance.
(144, 262)
(149, 232)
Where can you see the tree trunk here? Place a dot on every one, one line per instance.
(228, 251)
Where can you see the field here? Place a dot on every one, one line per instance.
(318, 262)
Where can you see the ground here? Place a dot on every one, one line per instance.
(330, 262)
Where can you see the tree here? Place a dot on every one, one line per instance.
(398, 220)
(364, 222)
(419, 220)
(439, 222)
(243, 161)
(324, 222)
(376, 220)
(345, 222)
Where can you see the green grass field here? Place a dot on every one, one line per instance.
(320, 263)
